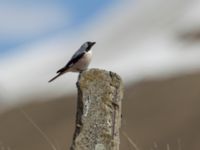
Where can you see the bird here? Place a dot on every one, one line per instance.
(79, 61)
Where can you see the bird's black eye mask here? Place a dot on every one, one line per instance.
(90, 44)
(88, 48)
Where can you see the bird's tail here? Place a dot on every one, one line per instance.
(56, 77)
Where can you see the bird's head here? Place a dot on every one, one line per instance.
(88, 45)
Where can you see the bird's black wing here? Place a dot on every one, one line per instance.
(73, 60)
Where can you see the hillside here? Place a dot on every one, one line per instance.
(156, 112)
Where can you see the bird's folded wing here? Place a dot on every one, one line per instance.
(73, 60)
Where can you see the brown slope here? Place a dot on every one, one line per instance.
(161, 111)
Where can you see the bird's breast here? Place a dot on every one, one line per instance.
(88, 55)
(83, 63)
(85, 60)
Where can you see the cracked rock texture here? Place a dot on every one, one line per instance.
(98, 117)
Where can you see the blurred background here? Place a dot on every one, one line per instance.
(153, 45)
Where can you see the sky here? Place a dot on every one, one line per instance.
(138, 40)
(25, 21)
(38, 36)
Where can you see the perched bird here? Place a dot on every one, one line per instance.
(79, 61)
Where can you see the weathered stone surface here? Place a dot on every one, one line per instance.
(98, 111)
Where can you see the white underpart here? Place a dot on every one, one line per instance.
(83, 63)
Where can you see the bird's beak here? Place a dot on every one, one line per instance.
(93, 43)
